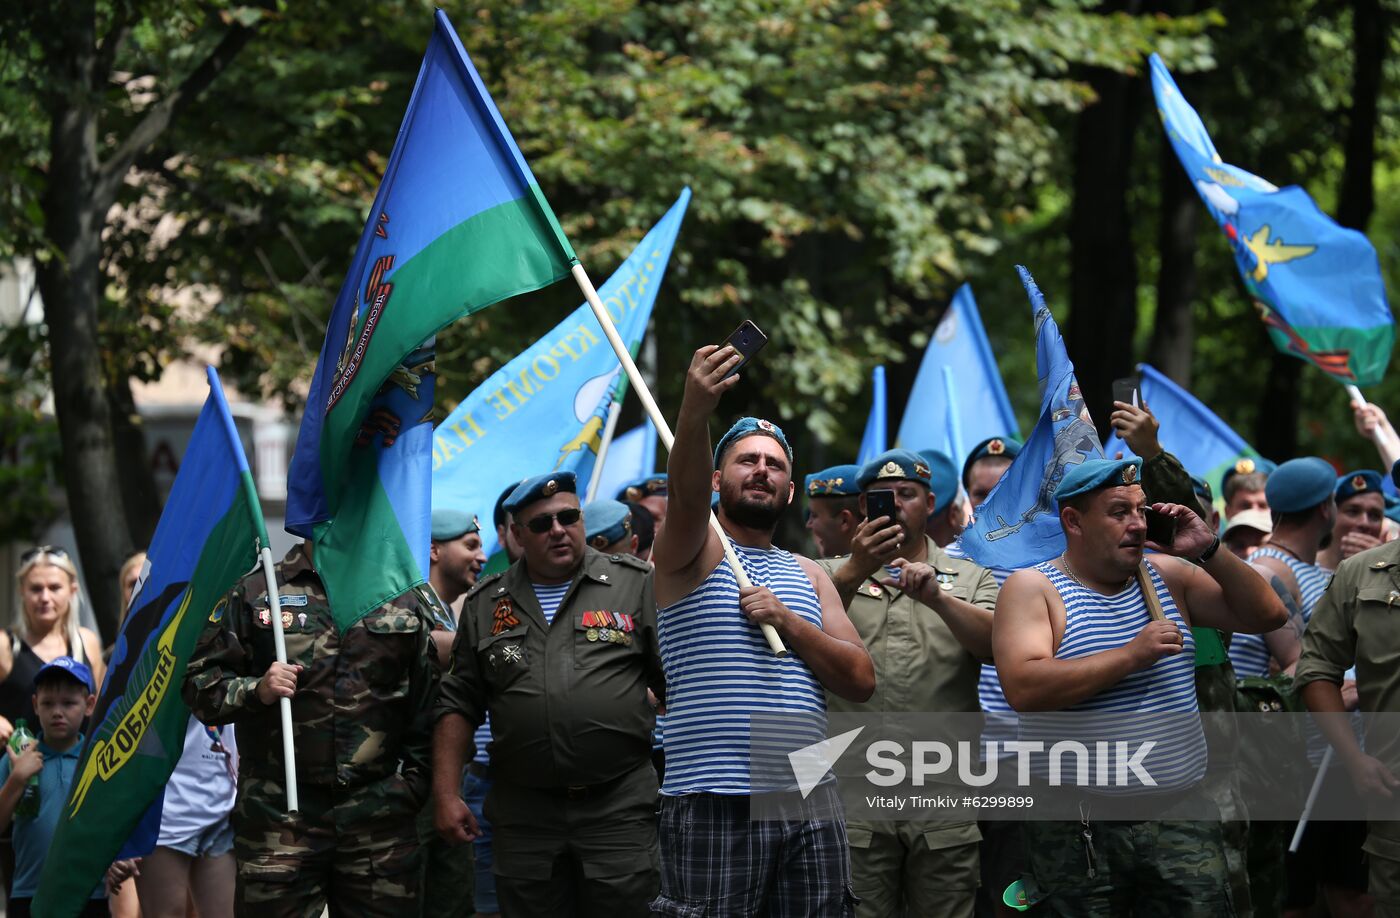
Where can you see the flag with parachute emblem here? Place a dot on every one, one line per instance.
(208, 537)
(1317, 285)
(1019, 523)
(458, 224)
(546, 408)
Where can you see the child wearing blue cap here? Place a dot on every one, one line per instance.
(64, 696)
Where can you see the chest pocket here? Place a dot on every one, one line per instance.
(304, 621)
(949, 582)
(1377, 626)
(603, 637)
(505, 657)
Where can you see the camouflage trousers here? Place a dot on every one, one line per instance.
(446, 872)
(1166, 868)
(354, 850)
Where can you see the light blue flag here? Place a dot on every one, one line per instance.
(1206, 446)
(1317, 285)
(631, 456)
(546, 408)
(872, 443)
(958, 398)
(1019, 524)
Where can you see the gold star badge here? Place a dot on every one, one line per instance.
(996, 448)
(1358, 483)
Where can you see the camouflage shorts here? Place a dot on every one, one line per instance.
(1151, 868)
(354, 850)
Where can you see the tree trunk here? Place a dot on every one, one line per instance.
(1276, 426)
(1173, 335)
(139, 494)
(71, 286)
(1103, 272)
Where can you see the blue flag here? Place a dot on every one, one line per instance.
(631, 456)
(1205, 445)
(1019, 523)
(546, 408)
(208, 537)
(958, 398)
(872, 442)
(1317, 285)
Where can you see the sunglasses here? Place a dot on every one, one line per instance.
(545, 521)
(38, 550)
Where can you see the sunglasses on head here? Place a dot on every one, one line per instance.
(38, 550)
(545, 521)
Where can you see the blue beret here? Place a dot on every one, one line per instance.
(745, 426)
(837, 481)
(649, 486)
(943, 478)
(540, 487)
(1363, 481)
(605, 521)
(1093, 474)
(1299, 484)
(996, 447)
(1392, 508)
(498, 515)
(1202, 488)
(1246, 465)
(453, 524)
(894, 465)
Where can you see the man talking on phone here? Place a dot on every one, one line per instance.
(926, 619)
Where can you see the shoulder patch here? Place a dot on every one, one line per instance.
(631, 561)
(482, 582)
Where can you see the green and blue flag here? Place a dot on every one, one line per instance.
(958, 398)
(872, 442)
(546, 408)
(1317, 285)
(1019, 523)
(208, 537)
(458, 224)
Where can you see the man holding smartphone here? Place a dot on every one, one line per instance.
(926, 618)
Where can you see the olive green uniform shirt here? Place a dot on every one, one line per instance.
(568, 705)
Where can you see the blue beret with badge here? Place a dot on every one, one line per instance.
(605, 522)
(451, 524)
(1300, 484)
(894, 465)
(650, 486)
(1093, 474)
(747, 426)
(1202, 489)
(994, 448)
(943, 478)
(1362, 481)
(540, 487)
(837, 481)
(1246, 465)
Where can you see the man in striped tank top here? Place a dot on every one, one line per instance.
(1076, 634)
(715, 860)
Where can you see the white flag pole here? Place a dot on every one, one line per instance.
(279, 644)
(1390, 450)
(1312, 798)
(609, 429)
(663, 430)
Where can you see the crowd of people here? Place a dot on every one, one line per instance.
(571, 735)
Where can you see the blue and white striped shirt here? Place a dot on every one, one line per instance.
(720, 671)
(1249, 654)
(550, 597)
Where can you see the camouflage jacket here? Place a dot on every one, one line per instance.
(364, 698)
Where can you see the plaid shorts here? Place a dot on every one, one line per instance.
(717, 862)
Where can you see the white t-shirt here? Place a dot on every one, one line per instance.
(203, 787)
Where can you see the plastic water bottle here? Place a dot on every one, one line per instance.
(20, 740)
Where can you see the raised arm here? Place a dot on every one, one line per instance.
(691, 467)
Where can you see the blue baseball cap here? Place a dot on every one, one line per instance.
(837, 481)
(1093, 474)
(540, 487)
(895, 465)
(1299, 484)
(943, 478)
(70, 667)
(746, 426)
(606, 521)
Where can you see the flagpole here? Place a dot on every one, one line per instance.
(663, 430)
(279, 644)
(1389, 450)
(609, 428)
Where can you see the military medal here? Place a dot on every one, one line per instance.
(286, 618)
(605, 634)
(875, 590)
(264, 617)
(511, 654)
(592, 635)
(301, 619)
(503, 616)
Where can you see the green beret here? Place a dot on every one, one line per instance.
(1299, 484)
(453, 524)
(837, 481)
(605, 522)
(992, 447)
(1093, 474)
(538, 488)
(745, 426)
(894, 465)
(943, 478)
(650, 486)
(1363, 481)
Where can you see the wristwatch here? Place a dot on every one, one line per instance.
(1209, 552)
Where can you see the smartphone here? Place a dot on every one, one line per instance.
(748, 340)
(880, 502)
(1161, 528)
(1126, 390)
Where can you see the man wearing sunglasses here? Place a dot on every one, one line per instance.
(560, 649)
